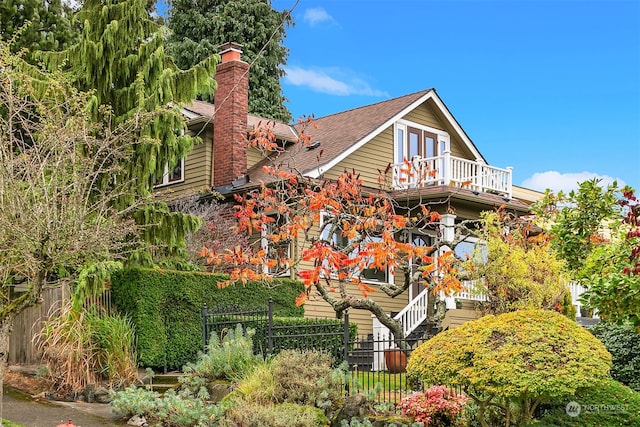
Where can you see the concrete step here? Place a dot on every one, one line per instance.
(159, 382)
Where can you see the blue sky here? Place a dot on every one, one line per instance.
(551, 88)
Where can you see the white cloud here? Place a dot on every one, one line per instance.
(316, 15)
(566, 182)
(321, 81)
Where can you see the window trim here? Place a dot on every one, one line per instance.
(165, 176)
(265, 243)
(442, 142)
(389, 274)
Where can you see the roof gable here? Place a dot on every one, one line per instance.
(343, 133)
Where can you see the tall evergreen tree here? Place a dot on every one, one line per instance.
(36, 24)
(120, 57)
(198, 27)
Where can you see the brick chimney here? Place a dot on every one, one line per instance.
(230, 118)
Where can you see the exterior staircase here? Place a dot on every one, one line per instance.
(159, 382)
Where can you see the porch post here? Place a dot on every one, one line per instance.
(448, 231)
(447, 227)
(381, 338)
(510, 182)
(446, 173)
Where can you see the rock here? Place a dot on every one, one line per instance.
(102, 395)
(137, 420)
(354, 406)
(89, 393)
(218, 390)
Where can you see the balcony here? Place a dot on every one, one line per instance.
(448, 170)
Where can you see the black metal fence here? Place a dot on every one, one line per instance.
(275, 334)
(376, 368)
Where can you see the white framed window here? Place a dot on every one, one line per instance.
(369, 275)
(277, 249)
(472, 247)
(422, 146)
(174, 176)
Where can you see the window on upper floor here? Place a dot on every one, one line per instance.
(340, 242)
(277, 247)
(174, 176)
(423, 147)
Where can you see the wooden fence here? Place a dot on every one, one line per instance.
(22, 346)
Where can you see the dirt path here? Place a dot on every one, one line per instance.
(20, 408)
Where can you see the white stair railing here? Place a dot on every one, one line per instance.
(410, 318)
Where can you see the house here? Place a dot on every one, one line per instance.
(403, 136)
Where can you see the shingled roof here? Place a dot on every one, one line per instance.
(202, 109)
(341, 133)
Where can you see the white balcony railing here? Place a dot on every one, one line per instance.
(449, 170)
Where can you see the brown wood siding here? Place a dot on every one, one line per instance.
(197, 170)
(374, 156)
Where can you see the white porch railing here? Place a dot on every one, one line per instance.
(450, 170)
(410, 318)
(416, 312)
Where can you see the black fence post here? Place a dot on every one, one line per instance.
(204, 328)
(270, 326)
(346, 351)
(346, 336)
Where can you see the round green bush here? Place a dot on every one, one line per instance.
(521, 358)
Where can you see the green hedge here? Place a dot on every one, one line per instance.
(166, 309)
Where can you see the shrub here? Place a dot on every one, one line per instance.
(605, 404)
(181, 409)
(135, 401)
(280, 415)
(300, 377)
(623, 342)
(166, 309)
(87, 347)
(521, 358)
(228, 357)
(258, 386)
(436, 406)
(307, 378)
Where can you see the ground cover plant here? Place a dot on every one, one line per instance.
(300, 386)
(605, 404)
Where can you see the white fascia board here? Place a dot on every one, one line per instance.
(316, 172)
(455, 125)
